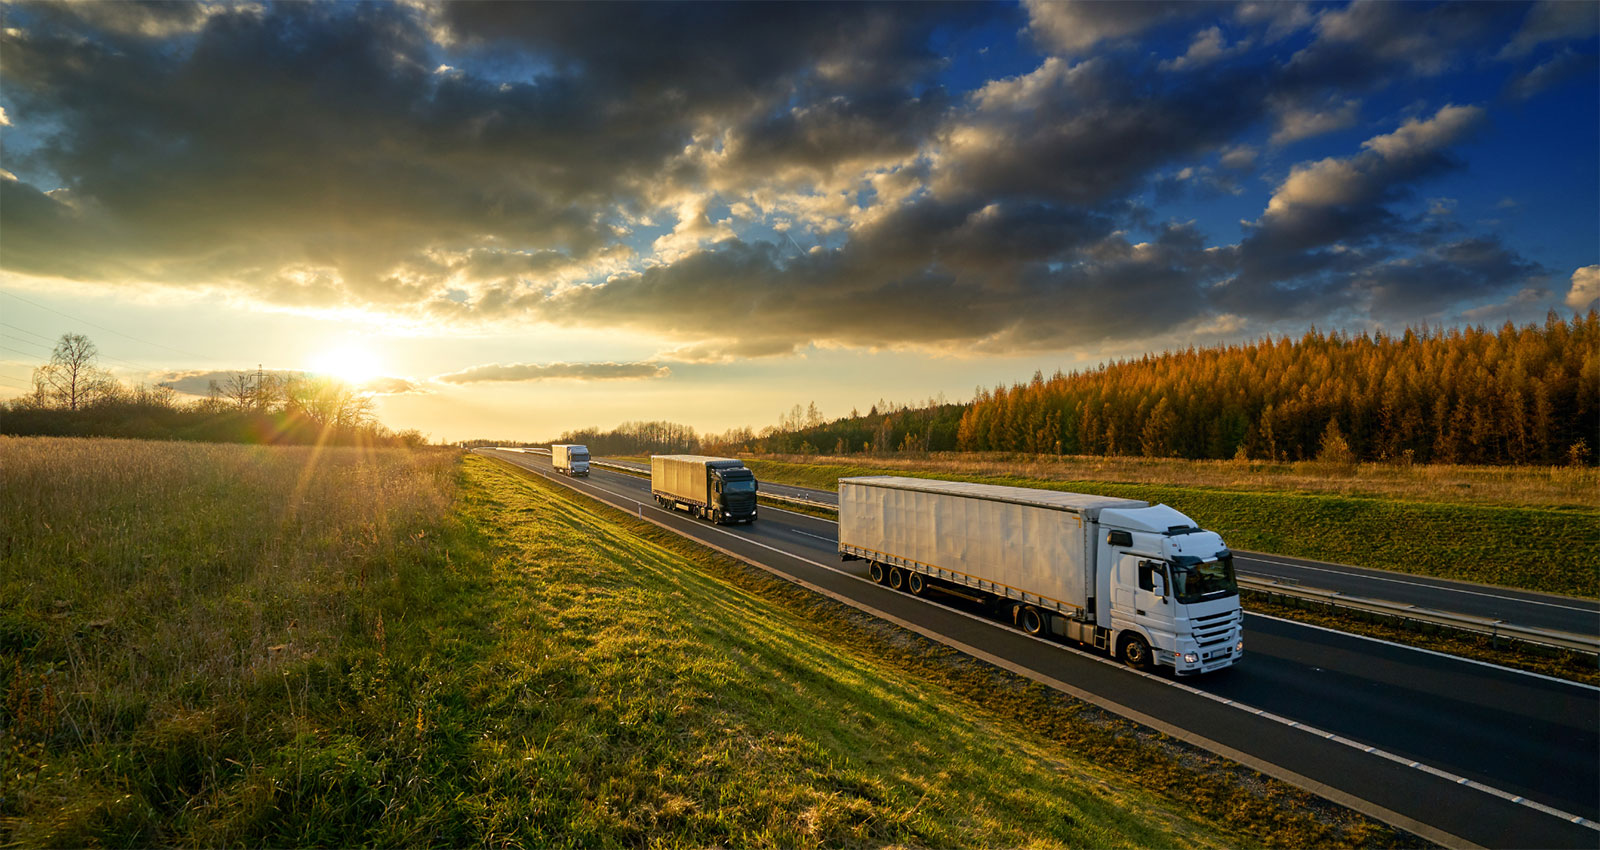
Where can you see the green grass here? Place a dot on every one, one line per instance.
(290, 647)
(1543, 549)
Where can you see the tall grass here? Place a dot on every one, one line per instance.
(151, 592)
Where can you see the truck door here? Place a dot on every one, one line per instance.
(1126, 582)
(1142, 595)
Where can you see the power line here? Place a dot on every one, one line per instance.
(50, 343)
(104, 328)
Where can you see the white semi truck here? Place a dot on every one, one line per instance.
(1140, 581)
(570, 458)
(720, 489)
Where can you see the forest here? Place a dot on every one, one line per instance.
(1523, 395)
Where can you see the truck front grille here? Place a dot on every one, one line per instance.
(1213, 629)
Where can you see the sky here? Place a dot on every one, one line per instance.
(517, 219)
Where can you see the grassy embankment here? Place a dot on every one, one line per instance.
(1548, 541)
(225, 644)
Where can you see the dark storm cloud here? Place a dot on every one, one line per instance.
(598, 165)
(1090, 132)
(1445, 276)
(991, 289)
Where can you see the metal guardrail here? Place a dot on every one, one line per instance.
(1464, 622)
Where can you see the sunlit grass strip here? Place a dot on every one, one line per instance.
(1542, 549)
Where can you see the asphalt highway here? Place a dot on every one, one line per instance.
(1518, 607)
(1460, 752)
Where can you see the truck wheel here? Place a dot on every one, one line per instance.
(1135, 652)
(1031, 620)
(875, 572)
(716, 517)
(916, 584)
(897, 578)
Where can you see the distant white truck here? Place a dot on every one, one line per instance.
(570, 458)
(1142, 582)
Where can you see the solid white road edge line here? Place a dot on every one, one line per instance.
(1304, 782)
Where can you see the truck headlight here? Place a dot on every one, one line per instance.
(1190, 657)
(1239, 647)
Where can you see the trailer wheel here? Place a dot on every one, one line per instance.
(1031, 620)
(875, 572)
(1135, 652)
(897, 578)
(916, 583)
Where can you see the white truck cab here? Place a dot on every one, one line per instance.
(572, 459)
(1169, 590)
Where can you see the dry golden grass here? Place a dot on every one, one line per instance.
(1525, 486)
(161, 575)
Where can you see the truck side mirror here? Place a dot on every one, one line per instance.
(1120, 538)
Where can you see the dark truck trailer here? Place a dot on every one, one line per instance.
(716, 488)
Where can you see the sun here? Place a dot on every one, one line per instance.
(350, 363)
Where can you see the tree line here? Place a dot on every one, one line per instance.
(73, 396)
(1528, 395)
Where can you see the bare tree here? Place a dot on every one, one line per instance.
(327, 402)
(241, 390)
(73, 377)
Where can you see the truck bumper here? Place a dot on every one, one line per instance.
(1206, 662)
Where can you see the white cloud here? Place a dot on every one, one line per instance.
(1335, 181)
(1585, 287)
(1238, 157)
(1300, 122)
(555, 371)
(1282, 18)
(1208, 46)
(1418, 136)
(1554, 20)
(1073, 27)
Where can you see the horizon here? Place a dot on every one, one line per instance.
(837, 205)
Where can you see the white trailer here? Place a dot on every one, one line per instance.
(1143, 582)
(570, 458)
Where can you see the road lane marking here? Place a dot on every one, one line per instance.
(1339, 796)
(818, 536)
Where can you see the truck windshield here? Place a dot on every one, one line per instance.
(740, 485)
(579, 455)
(1197, 582)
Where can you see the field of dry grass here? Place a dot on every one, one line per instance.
(152, 592)
(1523, 486)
